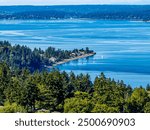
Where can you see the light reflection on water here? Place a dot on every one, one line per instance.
(122, 47)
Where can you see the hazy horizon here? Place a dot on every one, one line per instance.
(84, 5)
(73, 2)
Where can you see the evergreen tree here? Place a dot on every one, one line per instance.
(30, 95)
(138, 100)
(79, 104)
(5, 79)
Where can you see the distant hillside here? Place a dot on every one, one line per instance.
(112, 12)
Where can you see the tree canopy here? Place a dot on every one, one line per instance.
(63, 92)
(20, 57)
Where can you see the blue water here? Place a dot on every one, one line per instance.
(122, 47)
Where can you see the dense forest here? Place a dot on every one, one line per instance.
(62, 92)
(24, 87)
(109, 12)
(19, 57)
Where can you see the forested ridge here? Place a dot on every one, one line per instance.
(104, 12)
(19, 57)
(26, 88)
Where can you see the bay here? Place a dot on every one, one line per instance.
(122, 47)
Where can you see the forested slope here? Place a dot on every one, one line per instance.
(104, 12)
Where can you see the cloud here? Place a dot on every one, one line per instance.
(59, 2)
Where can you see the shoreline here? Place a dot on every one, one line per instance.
(71, 59)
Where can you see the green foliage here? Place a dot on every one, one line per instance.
(42, 111)
(62, 92)
(23, 91)
(79, 104)
(4, 80)
(30, 95)
(138, 100)
(20, 57)
(100, 85)
(52, 92)
(14, 93)
(12, 108)
(103, 108)
(147, 107)
(111, 93)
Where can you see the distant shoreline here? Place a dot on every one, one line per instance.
(57, 12)
(71, 59)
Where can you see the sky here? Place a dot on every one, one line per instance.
(71, 2)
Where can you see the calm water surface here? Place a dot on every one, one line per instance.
(122, 47)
